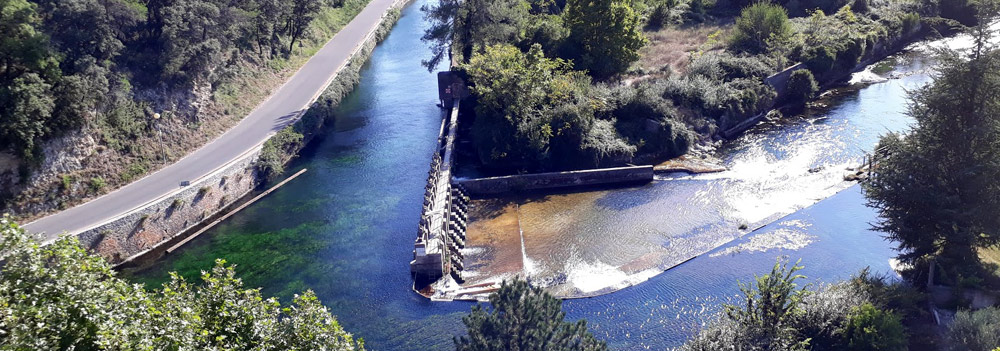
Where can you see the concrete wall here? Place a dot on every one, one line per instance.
(779, 81)
(498, 185)
(141, 230)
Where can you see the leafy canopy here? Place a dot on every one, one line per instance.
(515, 92)
(759, 27)
(605, 35)
(524, 318)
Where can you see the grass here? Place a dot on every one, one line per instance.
(673, 46)
(991, 256)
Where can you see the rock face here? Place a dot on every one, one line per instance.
(65, 154)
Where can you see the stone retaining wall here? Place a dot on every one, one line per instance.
(536, 181)
(141, 230)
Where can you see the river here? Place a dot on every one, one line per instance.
(345, 228)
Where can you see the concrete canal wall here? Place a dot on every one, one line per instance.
(172, 216)
(554, 180)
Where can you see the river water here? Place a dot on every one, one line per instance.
(345, 228)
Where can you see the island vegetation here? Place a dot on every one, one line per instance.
(589, 96)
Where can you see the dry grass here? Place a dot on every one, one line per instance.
(991, 256)
(673, 46)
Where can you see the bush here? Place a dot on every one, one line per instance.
(276, 150)
(975, 331)
(96, 184)
(726, 66)
(819, 59)
(759, 27)
(802, 86)
(59, 297)
(871, 329)
(910, 21)
(851, 54)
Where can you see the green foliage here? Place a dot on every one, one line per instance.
(777, 316)
(87, 307)
(935, 189)
(515, 92)
(276, 151)
(801, 86)
(819, 59)
(770, 302)
(649, 121)
(524, 318)
(760, 27)
(975, 330)
(469, 27)
(96, 184)
(605, 35)
(872, 329)
(662, 13)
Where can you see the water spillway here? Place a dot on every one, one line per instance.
(346, 228)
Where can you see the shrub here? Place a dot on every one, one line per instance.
(275, 151)
(759, 27)
(910, 21)
(851, 53)
(60, 297)
(975, 331)
(819, 59)
(726, 66)
(802, 86)
(661, 13)
(872, 329)
(67, 182)
(96, 184)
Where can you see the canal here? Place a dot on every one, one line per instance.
(345, 228)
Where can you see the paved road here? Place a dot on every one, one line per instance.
(269, 117)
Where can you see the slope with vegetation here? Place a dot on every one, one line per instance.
(95, 94)
(608, 104)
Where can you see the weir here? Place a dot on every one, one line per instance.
(441, 233)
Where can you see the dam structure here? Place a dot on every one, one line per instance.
(441, 233)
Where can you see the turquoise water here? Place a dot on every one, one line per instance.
(345, 228)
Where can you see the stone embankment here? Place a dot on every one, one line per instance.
(779, 81)
(170, 217)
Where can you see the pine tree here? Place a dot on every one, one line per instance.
(936, 188)
(524, 318)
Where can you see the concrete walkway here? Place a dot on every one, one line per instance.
(280, 109)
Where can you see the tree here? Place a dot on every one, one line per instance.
(303, 12)
(524, 318)
(759, 27)
(27, 68)
(605, 35)
(59, 297)
(515, 92)
(468, 27)
(801, 86)
(936, 188)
